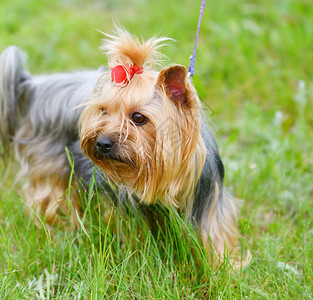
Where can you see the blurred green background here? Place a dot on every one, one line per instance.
(249, 51)
(254, 74)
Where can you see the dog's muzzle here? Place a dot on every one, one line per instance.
(104, 145)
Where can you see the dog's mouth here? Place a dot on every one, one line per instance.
(118, 169)
(110, 156)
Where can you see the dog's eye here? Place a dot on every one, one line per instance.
(103, 111)
(138, 118)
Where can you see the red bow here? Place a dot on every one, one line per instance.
(122, 74)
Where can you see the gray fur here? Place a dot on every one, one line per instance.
(37, 115)
(12, 74)
(212, 171)
(40, 110)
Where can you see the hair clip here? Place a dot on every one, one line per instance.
(122, 74)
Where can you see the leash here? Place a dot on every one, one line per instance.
(191, 69)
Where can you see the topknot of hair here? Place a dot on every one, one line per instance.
(123, 48)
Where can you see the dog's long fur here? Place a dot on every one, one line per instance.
(39, 120)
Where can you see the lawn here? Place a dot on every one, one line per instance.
(254, 73)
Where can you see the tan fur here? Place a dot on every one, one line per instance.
(45, 192)
(222, 223)
(163, 159)
(157, 167)
(160, 161)
(48, 199)
(123, 48)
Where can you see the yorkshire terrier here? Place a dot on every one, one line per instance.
(144, 129)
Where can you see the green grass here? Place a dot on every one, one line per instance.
(254, 73)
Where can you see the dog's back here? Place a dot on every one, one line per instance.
(44, 104)
(39, 120)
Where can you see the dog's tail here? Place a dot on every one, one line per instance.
(12, 76)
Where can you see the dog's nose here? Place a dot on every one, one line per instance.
(104, 144)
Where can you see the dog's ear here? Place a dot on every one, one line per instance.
(173, 81)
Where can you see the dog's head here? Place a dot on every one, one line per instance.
(142, 127)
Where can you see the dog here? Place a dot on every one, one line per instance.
(145, 129)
